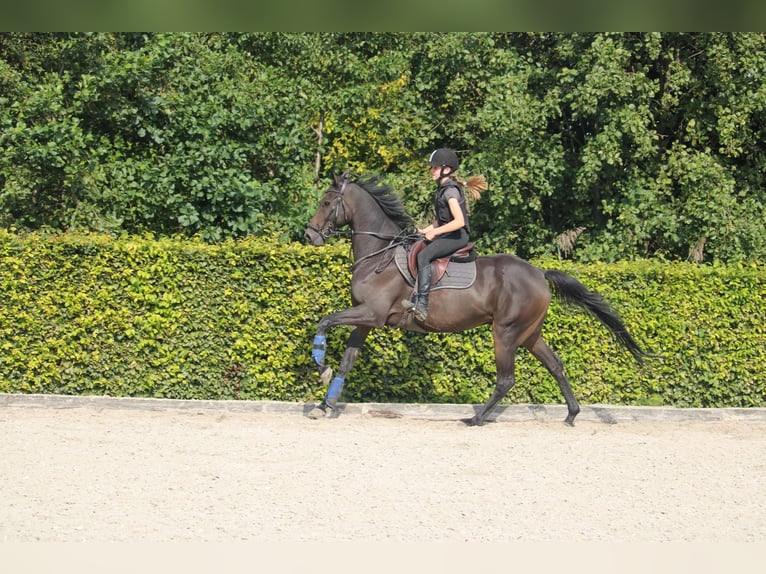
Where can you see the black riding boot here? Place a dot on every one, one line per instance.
(424, 287)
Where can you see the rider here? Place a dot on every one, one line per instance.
(449, 231)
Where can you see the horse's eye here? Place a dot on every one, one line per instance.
(326, 203)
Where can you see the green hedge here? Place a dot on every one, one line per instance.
(91, 314)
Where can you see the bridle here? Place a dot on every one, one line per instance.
(330, 228)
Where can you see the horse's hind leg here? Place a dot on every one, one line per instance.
(552, 362)
(353, 347)
(505, 359)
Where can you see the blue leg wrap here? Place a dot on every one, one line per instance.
(318, 352)
(336, 386)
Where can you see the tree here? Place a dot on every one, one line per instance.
(629, 145)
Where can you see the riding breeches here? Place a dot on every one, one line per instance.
(442, 246)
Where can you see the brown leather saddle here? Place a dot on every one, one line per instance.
(438, 266)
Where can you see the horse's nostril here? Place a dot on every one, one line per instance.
(312, 237)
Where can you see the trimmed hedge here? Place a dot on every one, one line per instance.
(133, 316)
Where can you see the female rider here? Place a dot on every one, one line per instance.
(450, 230)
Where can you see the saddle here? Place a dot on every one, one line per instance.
(439, 266)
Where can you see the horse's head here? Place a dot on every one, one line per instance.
(331, 215)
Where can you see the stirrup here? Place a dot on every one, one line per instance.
(419, 307)
(410, 303)
(421, 313)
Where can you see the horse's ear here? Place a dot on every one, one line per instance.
(341, 179)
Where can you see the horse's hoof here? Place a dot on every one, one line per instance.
(326, 375)
(317, 413)
(569, 421)
(472, 422)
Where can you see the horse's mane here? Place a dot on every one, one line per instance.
(388, 201)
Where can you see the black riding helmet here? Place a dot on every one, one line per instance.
(444, 157)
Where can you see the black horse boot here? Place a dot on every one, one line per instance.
(420, 303)
(424, 287)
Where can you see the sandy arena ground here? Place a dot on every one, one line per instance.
(154, 475)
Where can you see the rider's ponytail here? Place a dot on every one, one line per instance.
(475, 185)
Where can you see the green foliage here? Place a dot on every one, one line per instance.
(179, 318)
(653, 143)
(89, 314)
(165, 133)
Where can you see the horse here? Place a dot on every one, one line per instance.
(508, 292)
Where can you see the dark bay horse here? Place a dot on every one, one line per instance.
(508, 292)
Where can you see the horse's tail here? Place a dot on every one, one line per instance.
(571, 291)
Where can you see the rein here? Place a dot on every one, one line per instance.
(404, 239)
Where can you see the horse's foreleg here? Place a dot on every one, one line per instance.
(353, 347)
(363, 319)
(318, 353)
(319, 349)
(552, 362)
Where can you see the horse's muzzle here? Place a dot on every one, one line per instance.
(313, 237)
